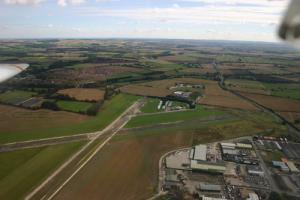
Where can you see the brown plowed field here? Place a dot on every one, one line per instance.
(275, 103)
(82, 94)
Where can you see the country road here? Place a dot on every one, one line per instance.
(42, 192)
(294, 131)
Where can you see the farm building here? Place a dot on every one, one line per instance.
(209, 187)
(208, 167)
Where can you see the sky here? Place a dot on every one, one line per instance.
(245, 20)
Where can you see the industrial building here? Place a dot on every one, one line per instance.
(243, 146)
(235, 146)
(209, 187)
(228, 145)
(211, 198)
(200, 152)
(207, 167)
(254, 170)
(292, 167)
(253, 196)
(281, 165)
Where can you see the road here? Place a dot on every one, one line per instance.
(294, 131)
(111, 130)
(267, 172)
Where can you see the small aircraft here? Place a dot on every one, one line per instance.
(7, 71)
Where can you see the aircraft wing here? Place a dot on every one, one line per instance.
(290, 27)
(7, 71)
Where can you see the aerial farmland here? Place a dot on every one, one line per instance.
(108, 113)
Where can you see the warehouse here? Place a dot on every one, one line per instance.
(233, 152)
(292, 167)
(228, 145)
(243, 146)
(255, 170)
(200, 152)
(207, 167)
(280, 165)
(210, 187)
(211, 198)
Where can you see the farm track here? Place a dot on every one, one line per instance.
(57, 180)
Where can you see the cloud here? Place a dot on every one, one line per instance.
(207, 14)
(23, 2)
(64, 3)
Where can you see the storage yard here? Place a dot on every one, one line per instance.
(232, 169)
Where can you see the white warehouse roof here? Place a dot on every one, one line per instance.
(212, 198)
(242, 145)
(207, 167)
(200, 152)
(228, 145)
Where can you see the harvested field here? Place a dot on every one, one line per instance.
(83, 94)
(17, 119)
(275, 103)
(216, 96)
(246, 86)
(293, 117)
(213, 94)
(95, 73)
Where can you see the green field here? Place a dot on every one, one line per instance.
(22, 170)
(15, 96)
(284, 90)
(151, 106)
(146, 120)
(110, 111)
(73, 106)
